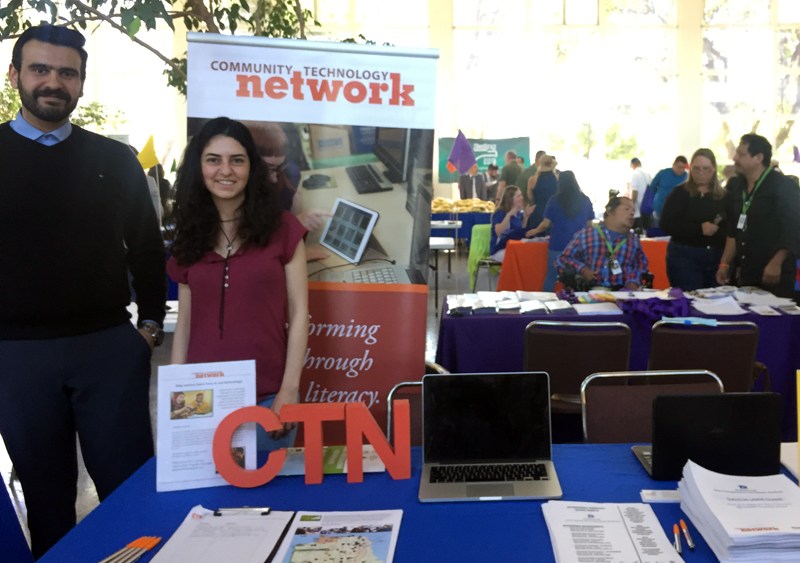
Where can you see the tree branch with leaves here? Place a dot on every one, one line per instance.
(267, 18)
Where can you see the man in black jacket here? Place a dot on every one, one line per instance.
(763, 238)
(75, 218)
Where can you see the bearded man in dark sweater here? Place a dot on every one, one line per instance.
(75, 217)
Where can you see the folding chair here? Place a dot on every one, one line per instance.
(571, 351)
(412, 391)
(618, 407)
(728, 350)
(478, 258)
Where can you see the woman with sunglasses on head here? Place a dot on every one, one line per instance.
(694, 216)
(240, 263)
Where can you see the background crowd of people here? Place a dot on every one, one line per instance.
(715, 236)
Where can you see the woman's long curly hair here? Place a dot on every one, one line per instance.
(196, 217)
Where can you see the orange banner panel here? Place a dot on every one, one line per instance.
(362, 340)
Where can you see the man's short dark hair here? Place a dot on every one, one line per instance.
(681, 158)
(636, 161)
(55, 35)
(756, 144)
(493, 167)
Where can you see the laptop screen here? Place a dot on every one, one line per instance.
(348, 230)
(733, 433)
(487, 417)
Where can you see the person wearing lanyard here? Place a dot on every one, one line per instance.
(763, 237)
(607, 254)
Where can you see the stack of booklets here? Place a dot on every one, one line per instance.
(743, 518)
(503, 302)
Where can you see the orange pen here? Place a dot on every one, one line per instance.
(687, 535)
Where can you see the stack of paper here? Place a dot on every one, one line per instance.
(503, 302)
(588, 531)
(597, 309)
(560, 306)
(743, 518)
(720, 306)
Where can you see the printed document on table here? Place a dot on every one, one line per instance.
(244, 536)
(747, 508)
(722, 306)
(329, 537)
(607, 532)
(192, 401)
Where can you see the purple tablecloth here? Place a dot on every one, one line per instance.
(496, 343)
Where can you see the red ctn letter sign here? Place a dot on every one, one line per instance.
(358, 422)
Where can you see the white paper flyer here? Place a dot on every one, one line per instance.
(192, 401)
(243, 535)
(369, 537)
(606, 532)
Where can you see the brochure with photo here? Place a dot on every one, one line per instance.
(192, 401)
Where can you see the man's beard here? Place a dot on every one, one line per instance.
(50, 114)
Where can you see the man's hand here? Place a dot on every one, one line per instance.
(772, 273)
(587, 274)
(148, 338)
(723, 274)
(709, 229)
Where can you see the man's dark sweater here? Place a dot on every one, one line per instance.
(73, 218)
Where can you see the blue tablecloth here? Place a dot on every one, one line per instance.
(12, 541)
(468, 220)
(441, 532)
(492, 343)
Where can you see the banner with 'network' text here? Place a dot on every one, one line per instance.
(349, 131)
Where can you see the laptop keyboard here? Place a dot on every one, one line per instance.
(375, 275)
(482, 473)
(365, 180)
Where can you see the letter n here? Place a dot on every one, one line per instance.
(360, 422)
(249, 86)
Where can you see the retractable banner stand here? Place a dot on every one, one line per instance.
(349, 131)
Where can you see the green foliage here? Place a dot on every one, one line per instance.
(619, 147)
(9, 102)
(586, 140)
(268, 18)
(94, 115)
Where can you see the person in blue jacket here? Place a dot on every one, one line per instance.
(664, 182)
(508, 222)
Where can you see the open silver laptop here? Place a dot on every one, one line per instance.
(487, 437)
(348, 234)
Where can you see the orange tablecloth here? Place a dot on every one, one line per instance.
(525, 265)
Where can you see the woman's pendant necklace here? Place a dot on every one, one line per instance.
(225, 277)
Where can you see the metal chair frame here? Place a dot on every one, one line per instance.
(665, 379)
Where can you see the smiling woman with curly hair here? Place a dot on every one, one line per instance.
(240, 264)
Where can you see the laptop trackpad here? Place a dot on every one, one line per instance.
(501, 490)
